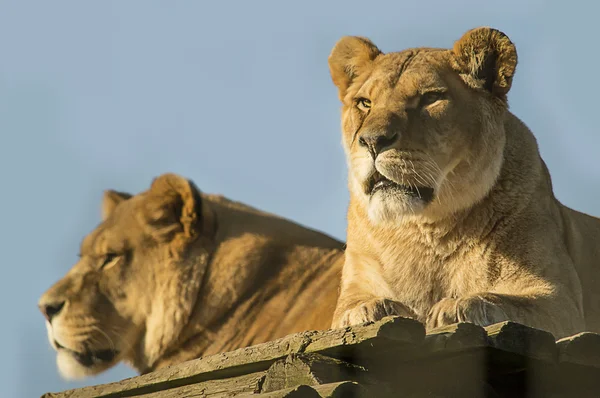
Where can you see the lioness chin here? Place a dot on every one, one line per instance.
(452, 215)
(172, 274)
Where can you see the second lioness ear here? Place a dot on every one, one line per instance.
(110, 200)
(350, 57)
(173, 207)
(488, 58)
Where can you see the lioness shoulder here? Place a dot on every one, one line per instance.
(452, 216)
(172, 274)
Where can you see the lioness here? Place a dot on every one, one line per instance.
(172, 274)
(452, 215)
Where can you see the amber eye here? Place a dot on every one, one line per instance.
(109, 258)
(363, 104)
(430, 98)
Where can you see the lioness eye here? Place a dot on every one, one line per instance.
(108, 258)
(363, 104)
(430, 98)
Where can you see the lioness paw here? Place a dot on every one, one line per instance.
(475, 309)
(373, 310)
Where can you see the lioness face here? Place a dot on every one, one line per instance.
(101, 312)
(91, 313)
(422, 134)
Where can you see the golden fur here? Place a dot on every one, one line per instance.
(172, 274)
(452, 216)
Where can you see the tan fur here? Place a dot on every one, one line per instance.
(492, 242)
(193, 275)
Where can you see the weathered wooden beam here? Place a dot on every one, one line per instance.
(348, 389)
(344, 389)
(522, 340)
(581, 349)
(470, 360)
(302, 391)
(392, 357)
(578, 370)
(456, 337)
(356, 341)
(311, 370)
(230, 387)
(521, 360)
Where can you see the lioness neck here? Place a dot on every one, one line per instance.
(267, 278)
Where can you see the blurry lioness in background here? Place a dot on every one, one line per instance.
(172, 274)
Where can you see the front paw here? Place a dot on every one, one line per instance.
(371, 311)
(474, 309)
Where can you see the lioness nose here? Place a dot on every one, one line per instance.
(51, 309)
(375, 141)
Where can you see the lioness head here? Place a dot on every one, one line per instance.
(135, 283)
(423, 128)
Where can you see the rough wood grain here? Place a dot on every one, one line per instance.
(311, 370)
(389, 358)
(302, 391)
(522, 340)
(456, 337)
(351, 341)
(457, 351)
(219, 388)
(581, 349)
(344, 389)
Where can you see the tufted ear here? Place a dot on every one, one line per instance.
(349, 58)
(488, 58)
(175, 214)
(174, 206)
(110, 200)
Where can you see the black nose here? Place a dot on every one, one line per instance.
(376, 141)
(51, 309)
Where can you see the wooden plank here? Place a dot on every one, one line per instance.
(230, 387)
(348, 389)
(582, 349)
(578, 373)
(295, 392)
(505, 359)
(456, 337)
(441, 346)
(522, 340)
(344, 389)
(363, 341)
(388, 333)
(311, 370)
(460, 358)
(521, 359)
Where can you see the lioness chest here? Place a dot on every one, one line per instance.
(420, 273)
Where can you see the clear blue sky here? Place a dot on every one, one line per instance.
(237, 97)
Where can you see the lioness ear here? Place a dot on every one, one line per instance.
(349, 58)
(488, 57)
(173, 207)
(110, 200)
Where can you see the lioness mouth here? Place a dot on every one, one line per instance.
(90, 358)
(378, 182)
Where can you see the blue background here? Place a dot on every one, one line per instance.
(237, 97)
